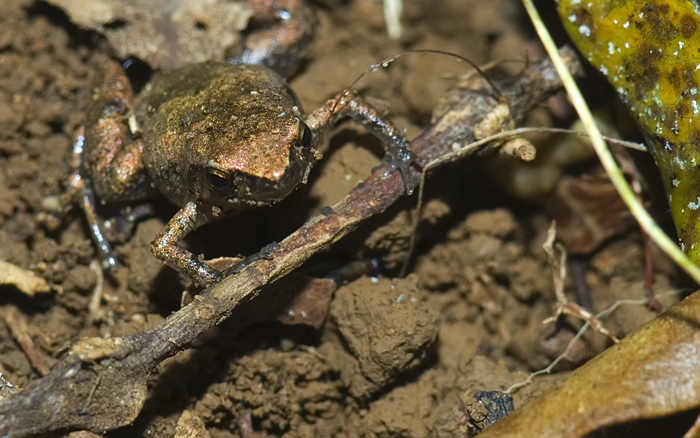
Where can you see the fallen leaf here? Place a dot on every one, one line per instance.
(651, 373)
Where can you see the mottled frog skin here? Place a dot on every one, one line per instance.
(226, 136)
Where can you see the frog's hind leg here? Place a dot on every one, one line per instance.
(96, 229)
(80, 191)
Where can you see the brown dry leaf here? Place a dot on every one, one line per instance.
(162, 33)
(588, 211)
(651, 373)
(25, 280)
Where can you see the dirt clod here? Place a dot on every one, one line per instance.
(388, 330)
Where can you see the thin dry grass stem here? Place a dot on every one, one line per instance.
(95, 305)
(551, 366)
(20, 332)
(502, 139)
(393, 9)
(587, 324)
(556, 257)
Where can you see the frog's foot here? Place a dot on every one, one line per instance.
(166, 246)
(183, 261)
(400, 157)
(265, 253)
(120, 228)
(88, 202)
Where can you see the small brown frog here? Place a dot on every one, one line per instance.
(212, 137)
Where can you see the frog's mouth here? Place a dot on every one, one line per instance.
(256, 190)
(234, 187)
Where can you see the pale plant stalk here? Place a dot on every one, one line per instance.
(392, 18)
(638, 211)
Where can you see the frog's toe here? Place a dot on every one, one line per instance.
(403, 161)
(265, 253)
(110, 264)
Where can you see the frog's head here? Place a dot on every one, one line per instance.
(256, 169)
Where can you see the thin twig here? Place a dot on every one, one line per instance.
(20, 331)
(556, 257)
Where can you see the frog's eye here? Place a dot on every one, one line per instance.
(218, 179)
(306, 136)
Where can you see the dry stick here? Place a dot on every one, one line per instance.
(20, 331)
(94, 307)
(101, 383)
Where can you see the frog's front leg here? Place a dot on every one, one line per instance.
(166, 246)
(396, 146)
(280, 45)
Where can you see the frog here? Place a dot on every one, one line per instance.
(214, 138)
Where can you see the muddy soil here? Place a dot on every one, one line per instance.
(396, 357)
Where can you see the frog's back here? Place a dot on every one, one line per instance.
(242, 119)
(212, 90)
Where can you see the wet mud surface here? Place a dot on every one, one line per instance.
(396, 356)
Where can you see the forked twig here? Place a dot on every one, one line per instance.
(565, 355)
(556, 257)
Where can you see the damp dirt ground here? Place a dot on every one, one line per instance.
(396, 356)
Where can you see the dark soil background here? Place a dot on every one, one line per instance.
(397, 357)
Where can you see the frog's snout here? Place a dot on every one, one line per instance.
(265, 190)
